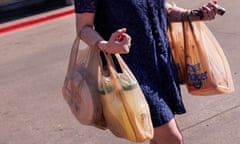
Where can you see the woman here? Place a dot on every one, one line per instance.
(137, 30)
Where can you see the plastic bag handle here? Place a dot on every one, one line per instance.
(112, 71)
(73, 57)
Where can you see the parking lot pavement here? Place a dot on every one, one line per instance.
(35, 19)
(33, 64)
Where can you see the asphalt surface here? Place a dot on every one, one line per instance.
(19, 12)
(33, 64)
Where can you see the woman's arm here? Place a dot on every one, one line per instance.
(85, 29)
(174, 13)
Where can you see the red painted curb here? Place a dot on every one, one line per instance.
(34, 21)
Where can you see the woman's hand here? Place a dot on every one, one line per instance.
(206, 12)
(119, 42)
(209, 10)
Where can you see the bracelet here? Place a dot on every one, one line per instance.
(192, 15)
(197, 13)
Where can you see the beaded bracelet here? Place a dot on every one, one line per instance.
(189, 15)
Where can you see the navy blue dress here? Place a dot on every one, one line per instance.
(150, 58)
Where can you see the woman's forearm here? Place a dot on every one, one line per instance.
(90, 36)
(85, 29)
(174, 13)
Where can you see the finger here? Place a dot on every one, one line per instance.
(212, 3)
(117, 33)
(214, 9)
(125, 44)
(206, 8)
(126, 47)
(215, 1)
(212, 6)
(205, 11)
(120, 31)
(126, 37)
(126, 40)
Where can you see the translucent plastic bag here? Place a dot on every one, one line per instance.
(81, 85)
(203, 66)
(124, 106)
(208, 71)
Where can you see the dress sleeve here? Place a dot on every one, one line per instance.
(82, 6)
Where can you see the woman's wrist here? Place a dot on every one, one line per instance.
(101, 44)
(191, 15)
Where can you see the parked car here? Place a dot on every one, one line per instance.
(14, 4)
